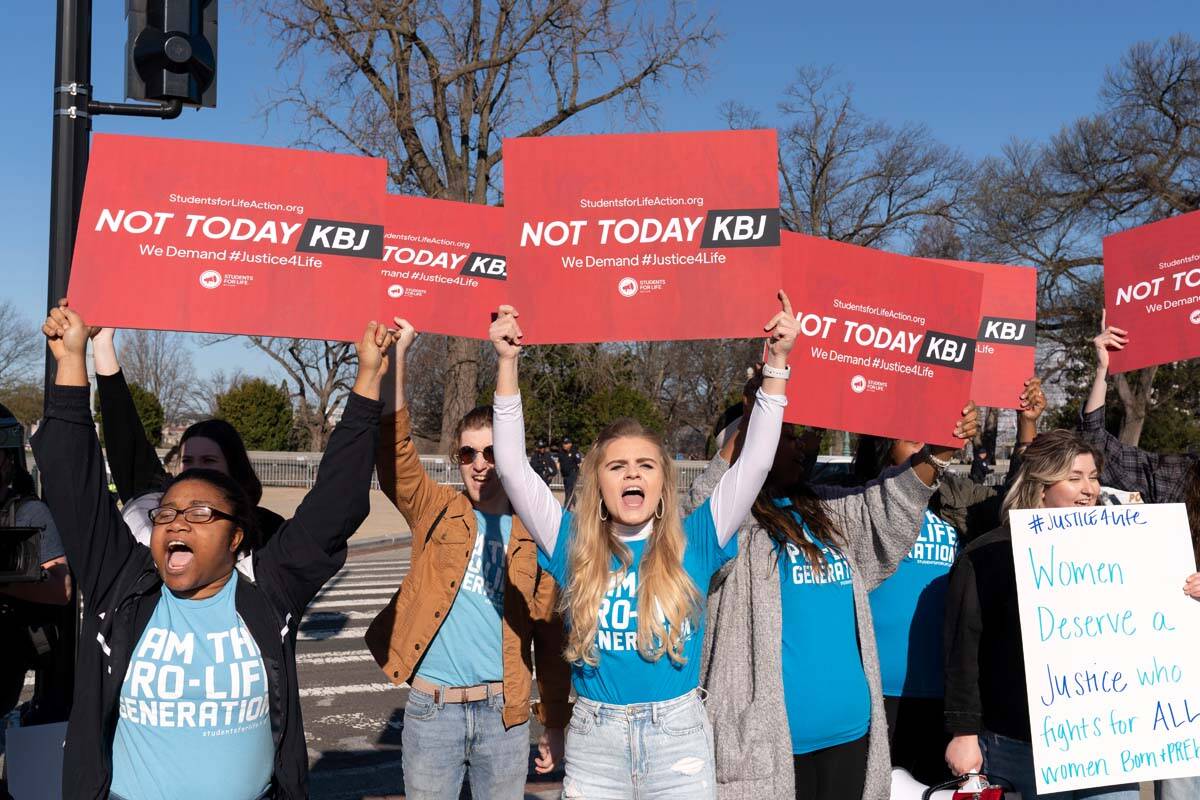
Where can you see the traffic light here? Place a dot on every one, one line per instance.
(171, 53)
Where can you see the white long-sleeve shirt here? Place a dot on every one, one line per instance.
(541, 513)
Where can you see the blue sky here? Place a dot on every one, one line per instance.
(976, 73)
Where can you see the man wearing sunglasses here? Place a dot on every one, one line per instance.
(461, 627)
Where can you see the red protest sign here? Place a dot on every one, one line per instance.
(644, 236)
(883, 349)
(443, 266)
(1007, 338)
(1152, 290)
(226, 238)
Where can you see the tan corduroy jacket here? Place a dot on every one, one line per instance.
(443, 535)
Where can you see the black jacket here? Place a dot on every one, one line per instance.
(980, 469)
(985, 662)
(543, 464)
(121, 586)
(568, 463)
(132, 459)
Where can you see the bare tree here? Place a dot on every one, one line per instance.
(693, 381)
(938, 237)
(434, 88)
(161, 363)
(1135, 161)
(319, 374)
(847, 177)
(20, 345)
(202, 398)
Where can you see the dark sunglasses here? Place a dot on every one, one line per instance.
(198, 515)
(466, 455)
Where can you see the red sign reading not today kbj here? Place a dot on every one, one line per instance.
(643, 236)
(886, 347)
(1152, 290)
(226, 238)
(1007, 339)
(443, 267)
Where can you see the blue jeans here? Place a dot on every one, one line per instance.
(1013, 760)
(1177, 789)
(443, 742)
(647, 750)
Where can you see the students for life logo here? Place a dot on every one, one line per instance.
(628, 287)
(210, 279)
(858, 384)
(395, 290)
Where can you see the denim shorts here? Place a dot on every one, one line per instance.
(660, 750)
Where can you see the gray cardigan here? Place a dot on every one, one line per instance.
(742, 666)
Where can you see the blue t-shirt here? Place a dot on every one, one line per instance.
(824, 686)
(908, 609)
(622, 676)
(467, 648)
(195, 721)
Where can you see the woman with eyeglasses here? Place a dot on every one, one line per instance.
(133, 462)
(460, 629)
(186, 675)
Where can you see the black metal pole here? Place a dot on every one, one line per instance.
(69, 149)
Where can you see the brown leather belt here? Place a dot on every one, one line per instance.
(456, 694)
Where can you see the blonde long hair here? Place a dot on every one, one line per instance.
(663, 584)
(1046, 461)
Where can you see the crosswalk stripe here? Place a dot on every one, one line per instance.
(372, 573)
(325, 634)
(338, 587)
(342, 657)
(334, 616)
(376, 567)
(381, 577)
(335, 604)
(356, 688)
(382, 591)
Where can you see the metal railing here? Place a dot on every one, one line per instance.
(299, 470)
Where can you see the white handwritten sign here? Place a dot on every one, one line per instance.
(1112, 665)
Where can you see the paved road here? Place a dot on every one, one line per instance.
(352, 715)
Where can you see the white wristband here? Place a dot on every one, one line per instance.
(775, 372)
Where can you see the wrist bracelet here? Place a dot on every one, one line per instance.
(935, 462)
(775, 372)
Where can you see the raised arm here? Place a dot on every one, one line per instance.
(132, 459)
(1111, 338)
(402, 477)
(880, 519)
(1161, 478)
(97, 543)
(310, 548)
(734, 495)
(531, 498)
